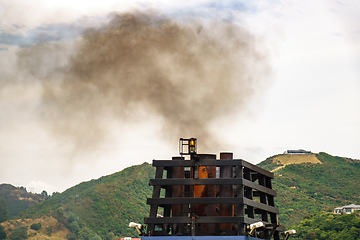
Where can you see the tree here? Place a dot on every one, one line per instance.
(71, 236)
(4, 211)
(55, 194)
(19, 233)
(44, 193)
(36, 226)
(2, 233)
(22, 189)
(311, 235)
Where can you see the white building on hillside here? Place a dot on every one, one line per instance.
(300, 151)
(347, 209)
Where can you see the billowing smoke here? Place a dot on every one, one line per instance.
(145, 65)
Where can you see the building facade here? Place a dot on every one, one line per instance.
(347, 209)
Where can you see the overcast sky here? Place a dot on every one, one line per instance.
(308, 97)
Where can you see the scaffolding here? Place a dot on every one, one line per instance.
(205, 196)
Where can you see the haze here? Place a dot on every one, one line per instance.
(88, 89)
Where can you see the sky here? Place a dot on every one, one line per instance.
(256, 78)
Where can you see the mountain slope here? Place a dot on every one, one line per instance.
(307, 187)
(49, 228)
(18, 199)
(104, 206)
(282, 160)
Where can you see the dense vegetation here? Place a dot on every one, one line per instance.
(101, 208)
(306, 188)
(2, 233)
(4, 210)
(16, 199)
(325, 226)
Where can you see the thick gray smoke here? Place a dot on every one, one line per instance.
(185, 73)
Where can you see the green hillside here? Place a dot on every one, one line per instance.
(325, 225)
(17, 199)
(102, 207)
(307, 188)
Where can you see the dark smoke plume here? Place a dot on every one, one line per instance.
(187, 73)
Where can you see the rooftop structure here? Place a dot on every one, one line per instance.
(300, 151)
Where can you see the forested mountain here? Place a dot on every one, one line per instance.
(307, 184)
(17, 199)
(101, 209)
(104, 206)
